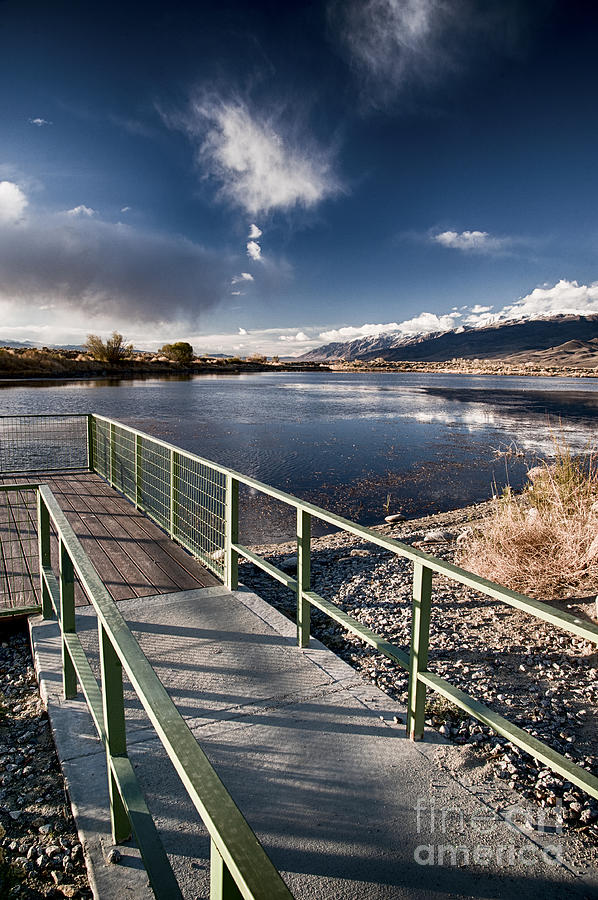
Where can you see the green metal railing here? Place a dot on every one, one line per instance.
(43, 443)
(183, 494)
(197, 502)
(239, 866)
(221, 550)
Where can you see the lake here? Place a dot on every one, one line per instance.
(361, 445)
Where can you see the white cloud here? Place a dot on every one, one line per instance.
(423, 324)
(563, 298)
(81, 211)
(396, 44)
(254, 232)
(254, 251)
(78, 262)
(237, 293)
(39, 122)
(243, 331)
(260, 163)
(125, 208)
(299, 338)
(471, 241)
(12, 202)
(244, 276)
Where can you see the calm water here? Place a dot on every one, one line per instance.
(355, 444)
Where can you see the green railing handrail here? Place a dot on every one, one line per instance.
(541, 610)
(18, 415)
(239, 864)
(425, 565)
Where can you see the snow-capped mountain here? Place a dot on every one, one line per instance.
(495, 341)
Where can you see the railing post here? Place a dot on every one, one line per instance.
(138, 470)
(174, 492)
(222, 883)
(114, 723)
(303, 576)
(231, 535)
(90, 443)
(112, 453)
(418, 657)
(67, 620)
(43, 544)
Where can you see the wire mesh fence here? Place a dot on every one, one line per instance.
(181, 493)
(19, 560)
(38, 443)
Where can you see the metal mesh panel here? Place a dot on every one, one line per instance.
(42, 443)
(184, 495)
(153, 465)
(100, 437)
(123, 461)
(19, 561)
(200, 509)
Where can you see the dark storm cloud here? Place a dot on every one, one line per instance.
(80, 262)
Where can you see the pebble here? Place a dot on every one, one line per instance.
(437, 536)
(113, 856)
(540, 678)
(37, 823)
(394, 518)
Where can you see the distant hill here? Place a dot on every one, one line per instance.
(572, 336)
(24, 345)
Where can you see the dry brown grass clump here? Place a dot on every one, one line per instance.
(543, 543)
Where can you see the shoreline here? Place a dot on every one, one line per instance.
(66, 369)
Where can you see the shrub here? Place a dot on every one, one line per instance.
(545, 542)
(180, 352)
(113, 351)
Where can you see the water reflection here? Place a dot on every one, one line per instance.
(344, 441)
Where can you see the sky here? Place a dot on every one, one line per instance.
(268, 177)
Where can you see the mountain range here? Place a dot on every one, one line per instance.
(571, 338)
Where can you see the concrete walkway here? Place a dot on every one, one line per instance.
(345, 806)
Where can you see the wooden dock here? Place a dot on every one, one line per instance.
(133, 557)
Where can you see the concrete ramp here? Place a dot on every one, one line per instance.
(346, 807)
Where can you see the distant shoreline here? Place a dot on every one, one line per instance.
(18, 367)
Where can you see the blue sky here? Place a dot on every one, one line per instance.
(269, 177)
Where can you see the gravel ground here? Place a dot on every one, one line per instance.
(540, 678)
(40, 853)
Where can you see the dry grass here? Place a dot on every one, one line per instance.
(543, 543)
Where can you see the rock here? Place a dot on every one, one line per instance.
(357, 552)
(113, 856)
(218, 554)
(288, 564)
(394, 518)
(437, 536)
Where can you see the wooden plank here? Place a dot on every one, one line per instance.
(17, 543)
(132, 555)
(174, 561)
(122, 578)
(108, 521)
